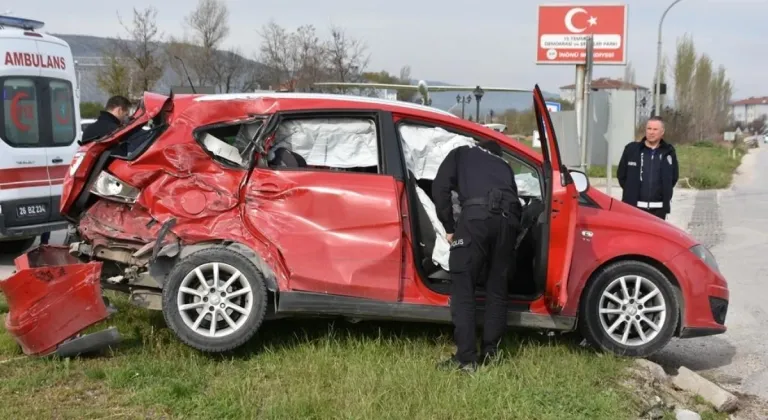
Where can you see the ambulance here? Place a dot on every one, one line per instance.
(39, 130)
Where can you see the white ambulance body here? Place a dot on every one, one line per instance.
(39, 130)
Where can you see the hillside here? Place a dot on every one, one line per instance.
(88, 49)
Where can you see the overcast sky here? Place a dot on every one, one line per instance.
(491, 42)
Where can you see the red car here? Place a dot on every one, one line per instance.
(225, 210)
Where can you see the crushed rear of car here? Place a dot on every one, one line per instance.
(122, 196)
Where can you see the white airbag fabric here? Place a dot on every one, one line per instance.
(427, 147)
(337, 142)
(442, 247)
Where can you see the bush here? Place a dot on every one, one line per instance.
(704, 143)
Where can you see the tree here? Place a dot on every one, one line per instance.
(301, 58)
(347, 56)
(386, 78)
(142, 49)
(209, 25)
(685, 67)
(701, 97)
(114, 78)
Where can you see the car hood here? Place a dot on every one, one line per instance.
(634, 219)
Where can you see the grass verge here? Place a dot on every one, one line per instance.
(706, 165)
(313, 369)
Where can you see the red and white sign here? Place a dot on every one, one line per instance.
(563, 31)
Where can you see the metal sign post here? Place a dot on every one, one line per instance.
(587, 86)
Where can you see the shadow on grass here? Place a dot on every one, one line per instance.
(143, 328)
(146, 331)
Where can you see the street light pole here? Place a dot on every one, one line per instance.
(657, 94)
(478, 96)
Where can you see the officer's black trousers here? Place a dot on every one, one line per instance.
(482, 242)
(660, 213)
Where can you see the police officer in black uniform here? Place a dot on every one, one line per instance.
(648, 171)
(483, 237)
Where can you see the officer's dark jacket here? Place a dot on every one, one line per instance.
(472, 172)
(665, 167)
(105, 124)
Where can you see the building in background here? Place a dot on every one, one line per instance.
(750, 109)
(643, 97)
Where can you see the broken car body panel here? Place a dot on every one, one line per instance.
(52, 297)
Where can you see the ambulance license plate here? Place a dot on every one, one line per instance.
(28, 211)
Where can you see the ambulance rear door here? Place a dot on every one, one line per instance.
(25, 189)
(62, 109)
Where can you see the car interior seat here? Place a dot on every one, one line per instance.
(287, 158)
(527, 258)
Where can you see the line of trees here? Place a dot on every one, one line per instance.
(702, 94)
(286, 59)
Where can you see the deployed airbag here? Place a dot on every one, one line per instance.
(442, 248)
(333, 142)
(426, 148)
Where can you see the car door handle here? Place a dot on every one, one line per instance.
(57, 160)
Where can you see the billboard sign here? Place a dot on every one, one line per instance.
(563, 31)
(553, 106)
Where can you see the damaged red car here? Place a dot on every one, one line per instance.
(223, 211)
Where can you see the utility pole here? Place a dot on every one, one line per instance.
(657, 93)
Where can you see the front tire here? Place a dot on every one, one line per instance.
(214, 300)
(630, 309)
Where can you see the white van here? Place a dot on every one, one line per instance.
(39, 129)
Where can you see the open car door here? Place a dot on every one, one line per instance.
(561, 200)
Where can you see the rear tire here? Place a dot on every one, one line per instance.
(17, 247)
(236, 297)
(616, 318)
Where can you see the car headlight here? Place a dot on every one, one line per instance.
(702, 252)
(76, 161)
(111, 188)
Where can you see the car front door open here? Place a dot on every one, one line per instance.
(561, 199)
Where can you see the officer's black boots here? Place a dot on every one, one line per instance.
(453, 364)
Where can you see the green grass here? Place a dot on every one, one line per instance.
(706, 165)
(313, 369)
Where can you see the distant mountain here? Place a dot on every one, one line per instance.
(87, 50)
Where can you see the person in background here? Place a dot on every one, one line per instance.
(648, 171)
(116, 111)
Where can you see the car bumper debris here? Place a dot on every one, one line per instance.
(52, 298)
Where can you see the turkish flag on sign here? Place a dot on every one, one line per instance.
(562, 31)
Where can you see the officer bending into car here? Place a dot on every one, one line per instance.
(483, 238)
(648, 171)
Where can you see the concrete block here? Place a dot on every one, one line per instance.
(721, 399)
(681, 414)
(655, 370)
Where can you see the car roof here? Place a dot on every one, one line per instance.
(340, 100)
(271, 102)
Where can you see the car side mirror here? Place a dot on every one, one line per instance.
(580, 180)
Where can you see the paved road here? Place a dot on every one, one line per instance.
(734, 223)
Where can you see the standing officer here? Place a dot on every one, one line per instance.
(648, 171)
(485, 234)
